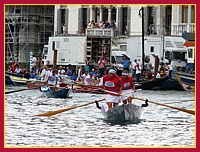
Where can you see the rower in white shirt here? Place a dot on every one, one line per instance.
(86, 78)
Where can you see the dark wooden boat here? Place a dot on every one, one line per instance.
(8, 80)
(61, 93)
(170, 84)
(18, 79)
(14, 74)
(150, 84)
(187, 81)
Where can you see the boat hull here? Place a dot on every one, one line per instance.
(124, 113)
(170, 84)
(150, 84)
(62, 93)
(8, 80)
(19, 80)
(187, 81)
(14, 74)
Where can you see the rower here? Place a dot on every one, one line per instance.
(53, 79)
(86, 80)
(128, 87)
(112, 83)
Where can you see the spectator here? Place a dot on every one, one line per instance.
(87, 67)
(107, 24)
(74, 76)
(101, 24)
(68, 71)
(138, 72)
(34, 61)
(17, 69)
(126, 63)
(63, 28)
(101, 64)
(113, 24)
(134, 64)
(46, 61)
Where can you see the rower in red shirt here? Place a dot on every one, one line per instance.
(127, 87)
(112, 83)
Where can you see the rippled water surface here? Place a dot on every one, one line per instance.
(85, 126)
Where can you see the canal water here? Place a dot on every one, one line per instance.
(159, 126)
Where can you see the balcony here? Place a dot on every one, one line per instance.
(99, 32)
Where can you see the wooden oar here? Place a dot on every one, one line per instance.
(19, 90)
(180, 109)
(178, 101)
(48, 114)
(121, 94)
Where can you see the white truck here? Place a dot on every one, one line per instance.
(73, 50)
(169, 49)
(70, 50)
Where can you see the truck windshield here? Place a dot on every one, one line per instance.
(119, 59)
(179, 56)
(175, 56)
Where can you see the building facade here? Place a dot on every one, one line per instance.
(28, 27)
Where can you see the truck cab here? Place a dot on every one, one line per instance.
(116, 58)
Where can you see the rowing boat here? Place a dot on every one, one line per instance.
(88, 89)
(123, 113)
(36, 84)
(19, 80)
(61, 93)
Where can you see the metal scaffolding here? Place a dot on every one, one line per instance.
(27, 29)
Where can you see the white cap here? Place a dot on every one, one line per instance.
(124, 72)
(112, 71)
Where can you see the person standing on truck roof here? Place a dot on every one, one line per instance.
(101, 64)
(126, 63)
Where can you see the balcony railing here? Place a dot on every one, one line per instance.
(106, 32)
(175, 30)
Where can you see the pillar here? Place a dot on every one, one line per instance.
(109, 15)
(189, 17)
(101, 14)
